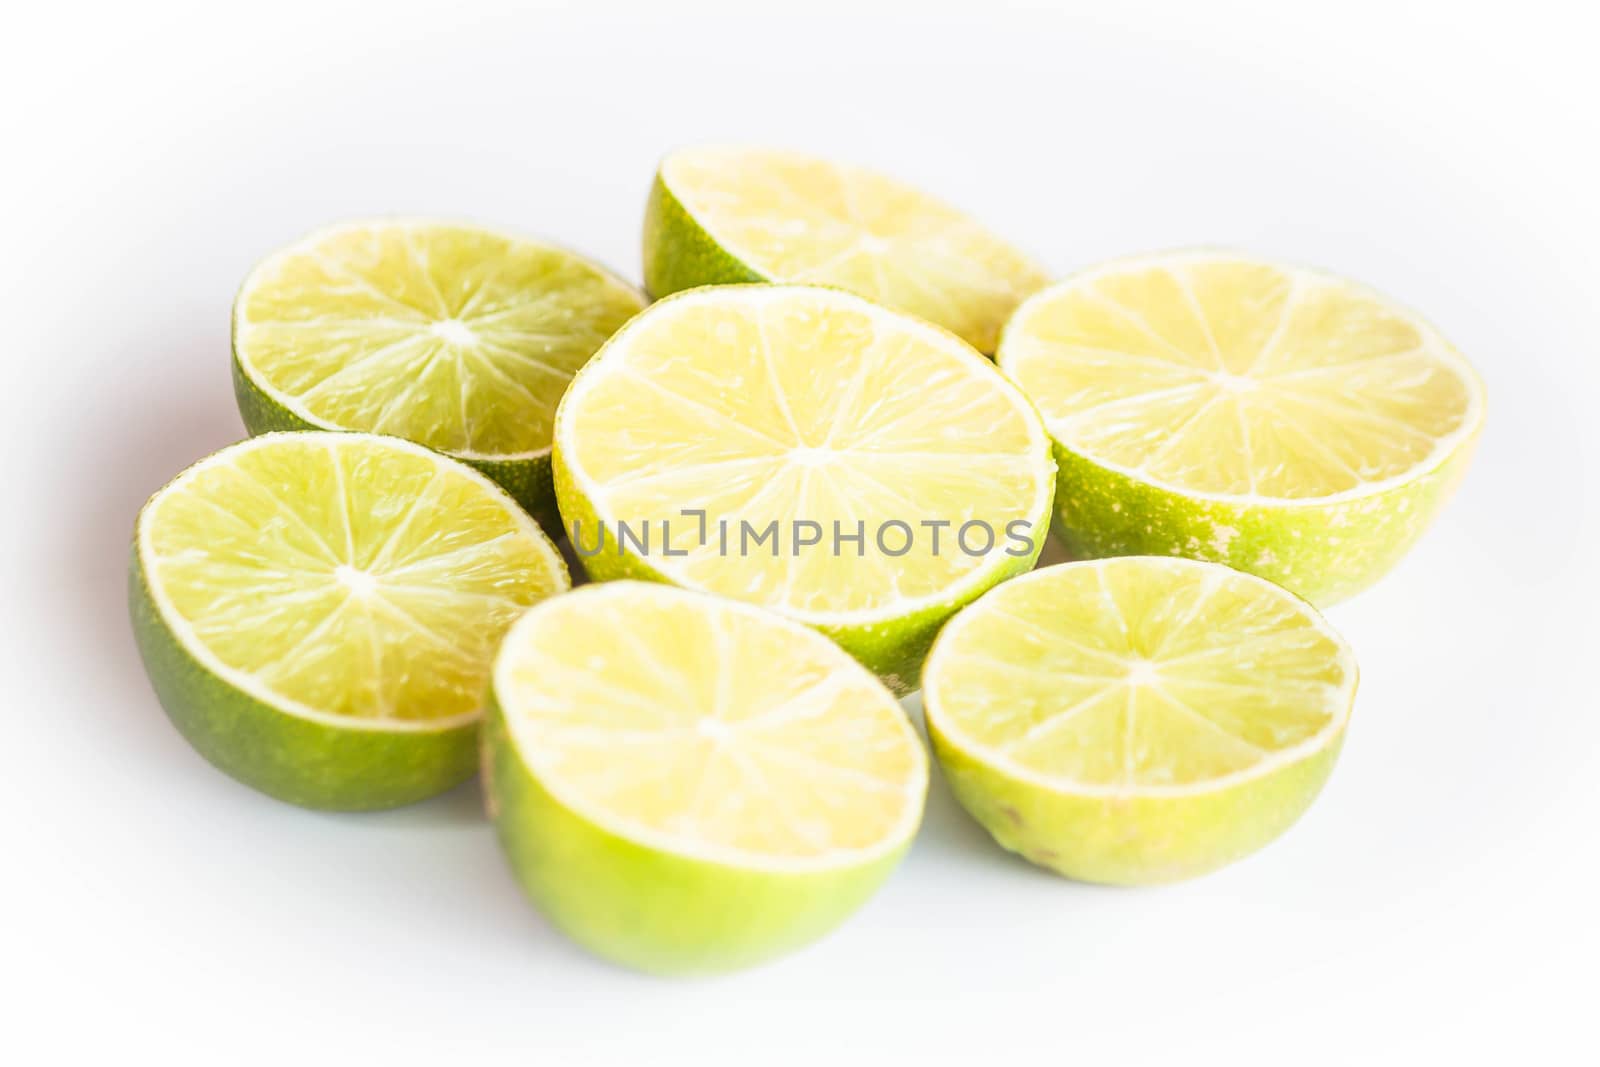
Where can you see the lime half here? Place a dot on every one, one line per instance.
(1137, 720)
(1285, 422)
(719, 215)
(808, 451)
(455, 337)
(318, 612)
(684, 783)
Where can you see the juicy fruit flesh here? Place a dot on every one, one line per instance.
(795, 219)
(1139, 673)
(459, 339)
(353, 577)
(708, 725)
(761, 404)
(1238, 378)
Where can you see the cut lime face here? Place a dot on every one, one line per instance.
(721, 215)
(724, 413)
(319, 611)
(755, 778)
(1282, 421)
(1139, 719)
(455, 337)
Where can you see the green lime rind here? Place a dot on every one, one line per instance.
(312, 764)
(526, 479)
(1139, 839)
(678, 252)
(648, 909)
(1324, 552)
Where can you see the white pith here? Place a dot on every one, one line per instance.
(990, 757)
(1445, 447)
(263, 272)
(247, 683)
(611, 359)
(536, 761)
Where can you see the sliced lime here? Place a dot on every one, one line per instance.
(685, 783)
(1285, 422)
(318, 612)
(1140, 719)
(722, 215)
(456, 337)
(793, 413)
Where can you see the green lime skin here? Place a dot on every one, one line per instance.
(893, 649)
(298, 760)
(651, 910)
(527, 480)
(1134, 840)
(679, 254)
(1325, 553)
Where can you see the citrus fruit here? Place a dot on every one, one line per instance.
(1285, 422)
(808, 451)
(318, 612)
(720, 215)
(455, 337)
(1137, 720)
(685, 784)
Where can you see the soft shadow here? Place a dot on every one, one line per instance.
(1053, 552)
(461, 806)
(575, 567)
(163, 403)
(159, 424)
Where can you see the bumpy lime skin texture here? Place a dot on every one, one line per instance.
(647, 909)
(893, 650)
(1322, 552)
(312, 764)
(1134, 840)
(679, 254)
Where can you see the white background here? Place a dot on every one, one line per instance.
(1440, 897)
